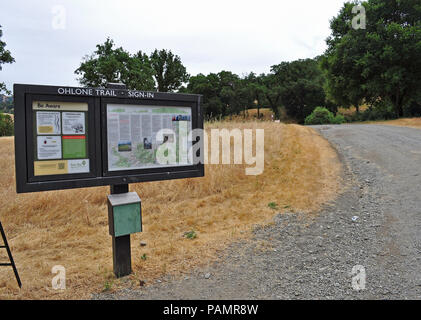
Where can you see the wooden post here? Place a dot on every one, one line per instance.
(122, 259)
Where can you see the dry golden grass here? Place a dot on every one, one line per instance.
(265, 115)
(351, 111)
(70, 227)
(404, 122)
(251, 114)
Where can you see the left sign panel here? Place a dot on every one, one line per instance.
(61, 136)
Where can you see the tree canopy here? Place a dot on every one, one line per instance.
(297, 86)
(301, 87)
(108, 64)
(5, 57)
(168, 71)
(161, 70)
(378, 64)
(220, 92)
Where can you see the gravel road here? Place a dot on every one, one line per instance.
(374, 223)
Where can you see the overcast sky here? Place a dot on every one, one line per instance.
(209, 36)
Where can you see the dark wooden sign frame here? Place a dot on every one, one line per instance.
(97, 99)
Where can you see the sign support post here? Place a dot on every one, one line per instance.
(122, 259)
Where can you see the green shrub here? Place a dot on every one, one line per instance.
(321, 115)
(273, 205)
(6, 125)
(190, 235)
(339, 119)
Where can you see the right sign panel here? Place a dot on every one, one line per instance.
(141, 137)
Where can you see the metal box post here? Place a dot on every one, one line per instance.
(124, 218)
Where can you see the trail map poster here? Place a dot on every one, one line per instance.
(135, 134)
(60, 143)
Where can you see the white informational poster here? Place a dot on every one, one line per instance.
(73, 122)
(137, 135)
(49, 147)
(48, 122)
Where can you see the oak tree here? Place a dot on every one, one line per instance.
(5, 57)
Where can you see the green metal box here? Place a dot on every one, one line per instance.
(124, 214)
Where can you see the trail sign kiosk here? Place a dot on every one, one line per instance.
(67, 137)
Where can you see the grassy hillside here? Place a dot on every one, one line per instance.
(265, 115)
(70, 228)
(404, 122)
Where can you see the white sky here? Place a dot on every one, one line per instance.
(209, 36)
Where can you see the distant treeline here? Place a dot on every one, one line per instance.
(296, 86)
(373, 59)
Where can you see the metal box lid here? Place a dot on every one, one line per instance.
(123, 198)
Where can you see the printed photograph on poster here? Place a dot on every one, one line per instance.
(147, 144)
(48, 147)
(124, 146)
(73, 122)
(48, 122)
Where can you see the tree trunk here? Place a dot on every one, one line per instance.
(399, 110)
(273, 106)
(276, 112)
(398, 105)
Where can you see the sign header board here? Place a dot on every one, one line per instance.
(69, 137)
